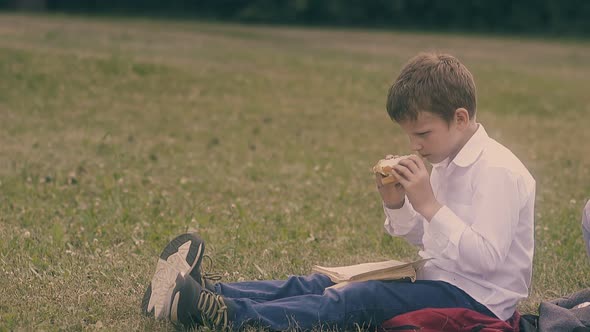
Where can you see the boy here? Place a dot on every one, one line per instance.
(473, 216)
(586, 226)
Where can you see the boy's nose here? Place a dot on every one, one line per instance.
(416, 147)
(415, 143)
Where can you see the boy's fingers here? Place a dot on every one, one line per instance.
(402, 171)
(411, 165)
(378, 178)
(417, 160)
(402, 181)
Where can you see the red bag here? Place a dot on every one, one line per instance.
(451, 320)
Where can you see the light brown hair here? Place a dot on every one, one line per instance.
(436, 83)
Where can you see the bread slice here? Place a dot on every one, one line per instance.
(384, 167)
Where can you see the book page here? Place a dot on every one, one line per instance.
(385, 270)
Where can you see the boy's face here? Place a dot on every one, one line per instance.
(432, 137)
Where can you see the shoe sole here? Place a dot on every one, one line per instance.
(180, 256)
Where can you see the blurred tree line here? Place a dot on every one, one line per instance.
(570, 17)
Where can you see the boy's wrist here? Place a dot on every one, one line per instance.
(394, 206)
(428, 211)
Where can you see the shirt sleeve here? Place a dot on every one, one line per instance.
(482, 243)
(404, 222)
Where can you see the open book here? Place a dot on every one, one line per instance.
(386, 270)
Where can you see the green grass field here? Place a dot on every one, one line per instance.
(116, 135)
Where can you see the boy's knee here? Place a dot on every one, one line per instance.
(354, 290)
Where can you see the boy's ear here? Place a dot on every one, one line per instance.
(461, 117)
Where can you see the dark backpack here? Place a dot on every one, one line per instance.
(566, 314)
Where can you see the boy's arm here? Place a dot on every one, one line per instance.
(401, 218)
(404, 222)
(483, 243)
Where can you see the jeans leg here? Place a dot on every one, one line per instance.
(365, 304)
(268, 290)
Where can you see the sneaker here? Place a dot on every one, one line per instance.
(182, 302)
(182, 256)
(207, 280)
(191, 304)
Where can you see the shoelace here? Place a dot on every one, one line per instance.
(209, 275)
(213, 308)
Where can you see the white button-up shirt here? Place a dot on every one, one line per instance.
(482, 239)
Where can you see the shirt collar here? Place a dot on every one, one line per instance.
(472, 149)
(442, 164)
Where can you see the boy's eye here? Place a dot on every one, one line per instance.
(424, 133)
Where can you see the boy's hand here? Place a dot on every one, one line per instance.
(414, 178)
(392, 194)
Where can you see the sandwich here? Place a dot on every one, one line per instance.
(384, 167)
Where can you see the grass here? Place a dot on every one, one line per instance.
(117, 135)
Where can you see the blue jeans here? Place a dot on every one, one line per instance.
(304, 302)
